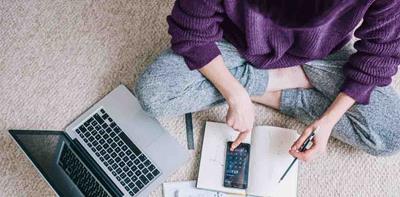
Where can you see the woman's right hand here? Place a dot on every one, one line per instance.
(240, 115)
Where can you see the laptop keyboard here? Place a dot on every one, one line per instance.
(117, 152)
(79, 174)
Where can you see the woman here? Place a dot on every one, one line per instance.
(294, 56)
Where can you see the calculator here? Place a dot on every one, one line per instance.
(237, 166)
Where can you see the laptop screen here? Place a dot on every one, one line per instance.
(44, 148)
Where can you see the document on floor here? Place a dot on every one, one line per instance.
(188, 189)
(269, 159)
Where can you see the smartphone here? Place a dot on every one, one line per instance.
(237, 166)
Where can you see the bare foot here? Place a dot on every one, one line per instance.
(269, 99)
(287, 78)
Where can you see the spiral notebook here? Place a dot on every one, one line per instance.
(269, 159)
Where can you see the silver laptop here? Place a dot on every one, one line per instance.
(113, 149)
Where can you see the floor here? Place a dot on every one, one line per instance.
(59, 57)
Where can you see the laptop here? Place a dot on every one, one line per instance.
(112, 149)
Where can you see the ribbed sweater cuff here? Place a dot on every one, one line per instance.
(200, 56)
(358, 91)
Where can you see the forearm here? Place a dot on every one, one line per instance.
(337, 109)
(223, 80)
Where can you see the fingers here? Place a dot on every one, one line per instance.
(238, 121)
(242, 136)
(237, 125)
(309, 154)
(241, 119)
(306, 155)
(240, 126)
(299, 142)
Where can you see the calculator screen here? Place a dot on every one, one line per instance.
(237, 166)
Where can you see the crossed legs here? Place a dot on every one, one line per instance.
(168, 88)
(281, 79)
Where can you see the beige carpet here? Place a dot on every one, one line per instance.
(59, 57)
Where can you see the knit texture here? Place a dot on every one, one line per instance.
(280, 35)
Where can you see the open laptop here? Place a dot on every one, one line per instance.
(113, 149)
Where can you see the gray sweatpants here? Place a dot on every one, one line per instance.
(168, 88)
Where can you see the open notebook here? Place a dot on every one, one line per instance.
(269, 158)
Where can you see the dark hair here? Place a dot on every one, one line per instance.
(294, 13)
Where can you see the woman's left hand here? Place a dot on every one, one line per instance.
(325, 124)
(319, 141)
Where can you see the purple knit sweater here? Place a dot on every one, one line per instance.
(283, 33)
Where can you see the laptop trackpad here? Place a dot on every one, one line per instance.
(144, 130)
(167, 152)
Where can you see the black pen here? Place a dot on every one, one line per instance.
(301, 149)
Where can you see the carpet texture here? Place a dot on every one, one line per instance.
(59, 57)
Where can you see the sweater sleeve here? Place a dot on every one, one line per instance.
(378, 51)
(195, 27)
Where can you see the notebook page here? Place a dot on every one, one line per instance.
(212, 163)
(269, 158)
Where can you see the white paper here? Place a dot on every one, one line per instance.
(269, 158)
